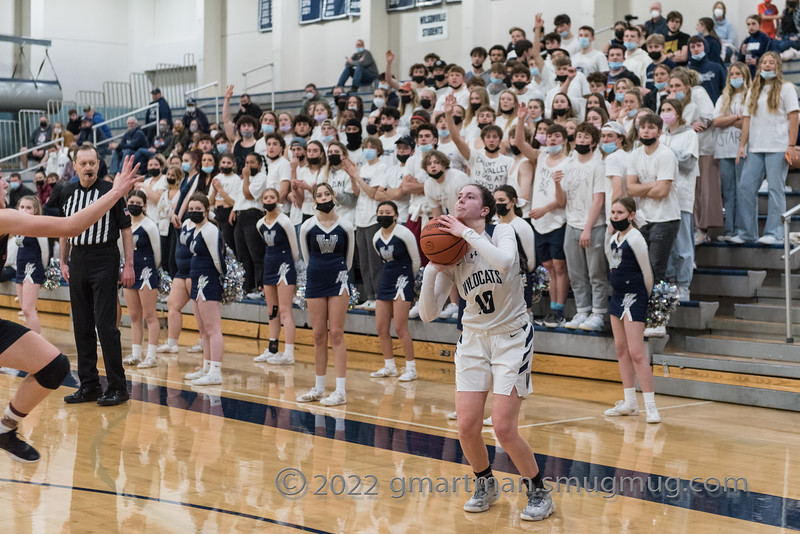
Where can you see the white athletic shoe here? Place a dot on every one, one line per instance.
(700, 237)
(488, 421)
(166, 348)
(622, 408)
(148, 363)
(577, 320)
(736, 240)
(594, 323)
(313, 394)
(407, 376)
(334, 399)
(208, 380)
(263, 356)
(413, 313)
(683, 294)
(131, 360)
(655, 331)
(486, 493)
(449, 310)
(767, 240)
(196, 348)
(540, 506)
(652, 412)
(280, 358)
(255, 295)
(452, 416)
(384, 372)
(195, 375)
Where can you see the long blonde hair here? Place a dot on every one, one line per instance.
(774, 96)
(513, 114)
(484, 95)
(730, 92)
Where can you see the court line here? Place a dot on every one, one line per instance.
(557, 422)
(662, 408)
(169, 501)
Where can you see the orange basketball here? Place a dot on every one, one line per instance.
(440, 246)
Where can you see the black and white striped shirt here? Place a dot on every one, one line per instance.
(104, 231)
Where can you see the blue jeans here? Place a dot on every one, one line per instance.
(756, 165)
(360, 76)
(782, 45)
(730, 175)
(680, 266)
(140, 156)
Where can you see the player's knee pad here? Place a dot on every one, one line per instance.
(53, 374)
(274, 313)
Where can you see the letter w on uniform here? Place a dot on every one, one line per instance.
(327, 244)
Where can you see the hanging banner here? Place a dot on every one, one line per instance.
(432, 25)
(354, 8)
(310, 11)
(264, 16)
(399, 5)
(423, 3)
(334, 9)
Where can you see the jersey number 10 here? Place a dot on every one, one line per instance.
(485, 301)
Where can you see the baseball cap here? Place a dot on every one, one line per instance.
(191, 101)
(155, 90)
(406, 140)
(298, 141)
(613, 127)
(422, 115)
(439, 64)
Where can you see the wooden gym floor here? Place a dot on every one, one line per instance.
(183, 459)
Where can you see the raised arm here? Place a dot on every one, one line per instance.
(455, 133)
(519, 138)
(389, 78)
(227, 118)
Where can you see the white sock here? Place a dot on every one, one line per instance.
(206, 366)
(630, 396)
(151, 352)
(649, 397)
(136, 351)
(411, 366)
(215, 368)
(288, 350)
(389, 364)
(340, 384)
(10, 420)
(172, 342)
(320, 383)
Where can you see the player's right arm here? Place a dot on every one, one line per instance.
(436, 284)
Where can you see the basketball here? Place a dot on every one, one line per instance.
(440, 246)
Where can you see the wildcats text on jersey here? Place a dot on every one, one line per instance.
(488, 276)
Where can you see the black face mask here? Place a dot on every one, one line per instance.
(439, 77)
(385, 221)
(457, 120)
(519, 85)
(570, 138)
(437, 175)
(455, 87)
(270, 207)
(648, 142)
(654, 55)
(620, 226)
(226, 170)
(171, 181)
(314, 161)
(403, 158)
(418, 79)
(353, 140)
(583, 149)
(43, 124)
(475, 106)
(196, 216)
(335, 159)
(325, 207)
(405, 99)
(478, 65)
(135, 209)
(619, 34)
(483, 125)
(561, 78)
(559, 112)
(502, 209)
(507, 81)
(301, 157)
(372, 129)
(386, 127)
(341, 104)
(516, 151)
(253, 171)
(154, 172)
(491, 150)
(426, 103)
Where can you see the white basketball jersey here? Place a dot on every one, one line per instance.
(494, 299)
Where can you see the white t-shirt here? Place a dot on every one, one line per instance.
(513, 181)
(616, 165)
(392, 178)
(307, 208)
(345, 198)
(592, 61)
(544, 192)
(278, 171)
(705, 112)
(661, 165)
(581, 182)
(258, 184)
(230, 184)
(365, 206)
(571, 45)
(636, 61)
(462, 98)
(489, 172)
(389, 149)
(728, 138)
(450, 150)
(769, 132)
(684, 142)
(156, 184)
(443, 193)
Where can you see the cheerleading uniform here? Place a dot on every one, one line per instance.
(146, 254)
(630, 275)
(401, 262)
(281, 250)
(32, 256)
(183, 256)
(330, 256)
(207, 264)
(10, 332)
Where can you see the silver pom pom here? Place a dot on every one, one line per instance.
(354, 294)
(300, 295)
(52, 275)
(233, 279)
(164, 283)
(663, 301)
(540, 283)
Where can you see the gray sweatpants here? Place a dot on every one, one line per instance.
(588, 272)
(370, 264)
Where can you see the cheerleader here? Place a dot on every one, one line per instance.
(32, 257)
(207, 264)
(280, 277)
(327, 241)
(142, 296)
(397, 246)
(179, 293)
(631, 279)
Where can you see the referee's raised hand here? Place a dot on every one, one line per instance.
(127, 177)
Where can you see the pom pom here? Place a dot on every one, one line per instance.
(663, 301)
(233, 279)
(164, 283)
(418, 281)
(540, 283)
(354, 294)
(52, 275)
(300, 295)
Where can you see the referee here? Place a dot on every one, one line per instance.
(92, 272)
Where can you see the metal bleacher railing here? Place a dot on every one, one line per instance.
(270, 80)
(16, 156)
(124, 117)
(788, 251)
(203, 105)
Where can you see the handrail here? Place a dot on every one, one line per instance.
(59, 140)
(786, 218)
(118, 117)
(270, 81)
(216, 97)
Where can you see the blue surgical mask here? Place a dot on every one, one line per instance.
(327, 138)
(552, 149)
(267, 128)
(222, 148)
(584, 42)
(615, 65)
(496, 81)
(186, 166)
(13, 185)
(620, 97)
(534, 71)
(629, 45)
(370, 154)
(426, 148)
(564, 34)
(537, 119)
(680, 95)
(698, 57)
(384, 86)
(444, 133)
(767, 74)
(608, 148)
(632, 113)
(207, 169)
(359, 49)
(737, 82)
(660, 85)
